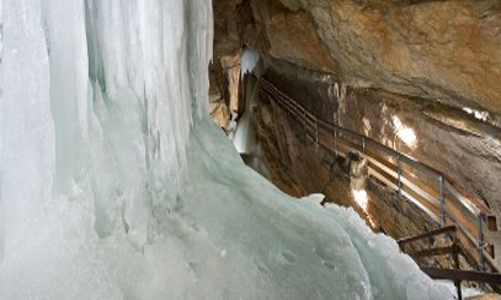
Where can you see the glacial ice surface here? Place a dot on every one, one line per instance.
(115, 185)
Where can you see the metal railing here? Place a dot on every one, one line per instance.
(434, 193)
(456, 274)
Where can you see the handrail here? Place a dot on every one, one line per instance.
(444, 208)
(456, 275)
(447, 229)
(477, 205)
(493, 279)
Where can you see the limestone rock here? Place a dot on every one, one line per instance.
(448, 51)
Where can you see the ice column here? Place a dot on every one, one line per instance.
(28, 130)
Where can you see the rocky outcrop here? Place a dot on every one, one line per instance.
(448, 51)
(224, 76)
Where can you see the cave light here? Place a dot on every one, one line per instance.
(361, 199)
(405, 133)
(479, 115)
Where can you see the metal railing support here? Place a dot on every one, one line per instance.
(442, 200)
(363, 145)
(481, 243)
(455, 258)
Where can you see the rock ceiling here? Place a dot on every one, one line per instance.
(448, 51)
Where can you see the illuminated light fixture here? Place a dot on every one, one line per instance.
(404, 133)
(479, 115)
(361, 199)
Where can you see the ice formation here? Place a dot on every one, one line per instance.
(249, 60)
(115, 185)
(245, 138)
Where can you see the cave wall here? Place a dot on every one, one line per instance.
(447, 51)
(359, 63)
(466, 149)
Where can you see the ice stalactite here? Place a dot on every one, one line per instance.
(95, 120)
(28, 130)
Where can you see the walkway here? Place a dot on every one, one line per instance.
(431, 191)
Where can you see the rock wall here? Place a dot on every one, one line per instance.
(443, 51)
(447, 51)
(446, 138)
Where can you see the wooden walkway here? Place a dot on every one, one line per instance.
(432, 191)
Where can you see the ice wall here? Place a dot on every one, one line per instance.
(95, 118)
(1, 124)
(114, 184)
(28, 129)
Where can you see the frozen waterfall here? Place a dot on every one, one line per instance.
(115, 185)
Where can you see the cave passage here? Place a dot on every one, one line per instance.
(116, 184)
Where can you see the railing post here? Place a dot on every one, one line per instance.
(442, 200)
(457, 266)
(316, 131)
(481, 243)
(399, 176)
(363, 145)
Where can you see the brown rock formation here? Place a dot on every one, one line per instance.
(446, 51)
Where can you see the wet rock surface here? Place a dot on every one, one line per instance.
(439, 50)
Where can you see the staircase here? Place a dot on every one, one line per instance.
(447, 203)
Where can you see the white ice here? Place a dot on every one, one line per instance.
(245, 139)
(115, 185)
(249, 60)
